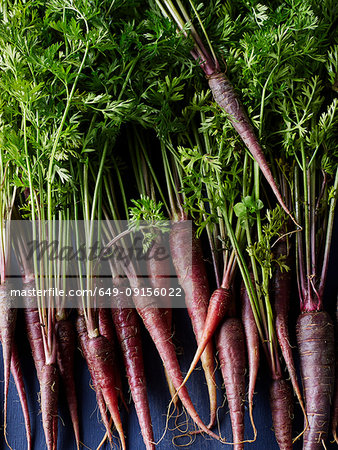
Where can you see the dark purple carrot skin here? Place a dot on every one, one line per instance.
(230, 344)
(49, 403)
(192, 276)
(127, 327)
(158, 270)
(281, 403)
(226, 97)
(66, 338)
(282, 293)
(83, 339)
(315, 337)
(20, 387)
(157, 327)
(48, 386)
(7, 328)
(101, 359)
(252, 345)
(106, 329)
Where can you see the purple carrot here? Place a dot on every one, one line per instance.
(282, 293)
(49, 380)
(47, 373)
(106, 328)
(192, 276)
(83, 339)
(157, 328)
(65, 335)
(128, 332)
(282, 412)
(20, 387)
(231, 352)
(252, 345)
(7, 329)
(100, 358)
(158, 270)
(226, 97)
(315, 336)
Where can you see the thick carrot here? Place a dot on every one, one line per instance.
(252, 345)
(106, 329)
(65, 335)
(282, 293)
(282, 412)
(7, 329)
(158, 270)
(192, 276)
(128, 332)
(20, 387)
(226, 97)
(157, 327)
(231, 352)
(315, 336)
(83, 339)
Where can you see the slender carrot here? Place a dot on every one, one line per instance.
(128, 332)
(20, 386)
(226, 97)
(282, 293)
(156, 325)
(282, 412)
(315, 336)
(47, 373)
(252, 345)
(231, 352)
(65, 334)
(106, 329)
(158, 270)
(49, 403)
(219, 303)
(192, 276)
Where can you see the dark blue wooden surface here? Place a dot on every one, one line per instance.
(92, 430)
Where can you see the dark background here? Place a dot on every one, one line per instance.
(92, 430)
